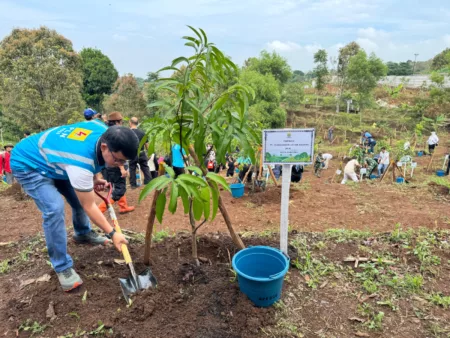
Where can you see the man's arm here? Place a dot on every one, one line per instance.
(123, 171)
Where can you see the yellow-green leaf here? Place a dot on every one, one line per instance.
(215, 198)
(173, 198)
(197, 207)
(206, 201)
(161, 205)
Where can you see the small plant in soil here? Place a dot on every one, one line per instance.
(161, 235)
(32, 327)
(201, 103)
(4, 266)
(425, 255)
(439, 299)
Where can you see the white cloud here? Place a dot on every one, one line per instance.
(280, 46)
(368, 45)
(372, 33)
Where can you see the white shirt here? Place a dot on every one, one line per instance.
(80, 179)
(384, 158)
(151, 163)
(350, 166)
(327, 156)
(433, 139)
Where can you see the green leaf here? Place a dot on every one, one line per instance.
(178, 60)
(161, 205)
(169, 170)
(190, 179)
(197, 208)
(204, 36)
(219, 180)
(173, 198)
(205, 193)
(155, 184)
(215, 198)
(184, 198)
(196, 170)
(190, 38)
(191, 44)
(157, 104)
(141, 144)
(197, 33)
(168, 68)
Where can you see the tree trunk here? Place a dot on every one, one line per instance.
(236, 239)
(194, 234)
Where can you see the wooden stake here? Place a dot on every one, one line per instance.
(384, 174)
(246, 174)
(430, 163)
(273, 176)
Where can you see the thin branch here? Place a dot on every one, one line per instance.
(198, 226)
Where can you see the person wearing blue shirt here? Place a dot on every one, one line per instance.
(178, 157)
(65, 161)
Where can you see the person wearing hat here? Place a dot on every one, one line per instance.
(117, 176)
(66, 161)
(90, 114)
(5, 166)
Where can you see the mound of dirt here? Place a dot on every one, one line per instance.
(15, 191)
(189, 301)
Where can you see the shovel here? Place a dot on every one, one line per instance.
(134, 282)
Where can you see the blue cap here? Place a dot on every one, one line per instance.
(89, 112)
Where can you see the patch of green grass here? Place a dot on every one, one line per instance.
(424, 253)
(374, 319)
(345, 235)
(440, 300)
(161, 235)
(401, 236)
(32, 327)
(4, 266)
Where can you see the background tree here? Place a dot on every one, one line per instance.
(99, 76)
(363, 75)
(40, 79)
(270, 64)
(400, 69)
(126, 98)
(293, 95)
(345, 53)
(441, 60)
(321, 71)
(151, 94)
(265, 106)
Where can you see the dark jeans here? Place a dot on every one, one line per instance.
(178, 171)
(296, 178)
(154, 174)
(114, 176)
(143, 163)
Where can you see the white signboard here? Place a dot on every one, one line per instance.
(414, 164)
(288, 146)
(338, 172)
(363, 171)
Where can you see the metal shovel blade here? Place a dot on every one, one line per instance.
(143, 281)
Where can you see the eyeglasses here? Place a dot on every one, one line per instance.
(117, 160)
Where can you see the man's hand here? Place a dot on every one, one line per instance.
(100, 184)
(119, 239)
(123, 172)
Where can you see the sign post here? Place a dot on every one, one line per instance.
(287, 147)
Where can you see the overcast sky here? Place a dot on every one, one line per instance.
(141, 36)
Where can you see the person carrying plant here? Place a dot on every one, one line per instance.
(350, 171)
(318, 164)
(117, 175)
(433, 141)
(66, 161)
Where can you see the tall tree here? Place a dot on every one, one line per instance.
(293, 94)
(363, 75)
(273, 64)
(40, 79)
(126, 98)
(345, 53)
(441, 60)
(321, 71)
(265, 106)
(99, 75)
(400, 69)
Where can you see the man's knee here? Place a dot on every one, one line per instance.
(54, 211)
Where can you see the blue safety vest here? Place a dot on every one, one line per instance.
(73, 144)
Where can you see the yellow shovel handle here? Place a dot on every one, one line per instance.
(125, 252)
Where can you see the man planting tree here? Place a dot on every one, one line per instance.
(65, 161)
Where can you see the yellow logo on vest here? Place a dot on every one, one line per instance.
(79, 134)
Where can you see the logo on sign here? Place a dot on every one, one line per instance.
(289, 135)
(79, 134)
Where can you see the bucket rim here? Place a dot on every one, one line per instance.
(236, 185)
(262, 279)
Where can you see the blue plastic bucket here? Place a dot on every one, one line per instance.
(400, 180)
(440, 173)
(373, 176)
(237, 190)
(419, 153)
(260, 271)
